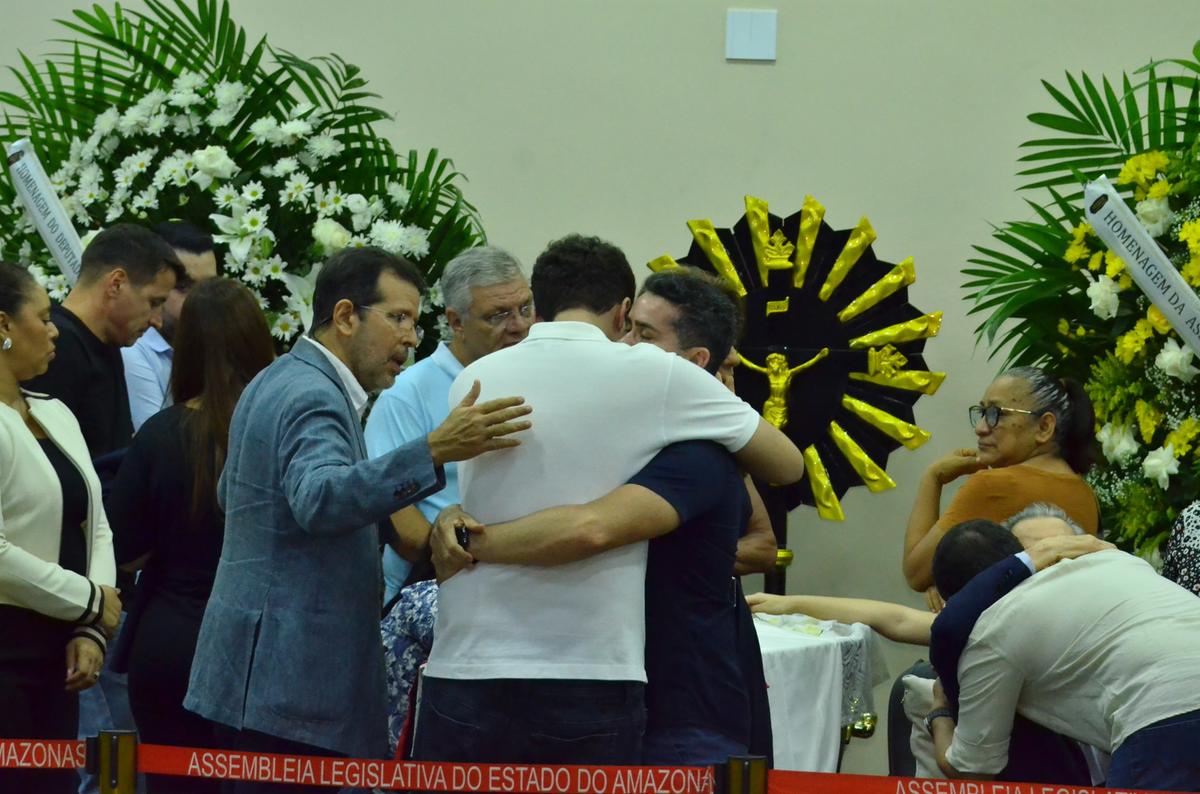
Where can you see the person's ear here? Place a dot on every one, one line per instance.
(1047, 425)
(345, 318)
(454, 320)
(114, 281)
(700, 356)
(621, 318)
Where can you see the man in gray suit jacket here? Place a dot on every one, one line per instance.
(289, 654)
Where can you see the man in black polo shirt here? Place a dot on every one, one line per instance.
(124, 279)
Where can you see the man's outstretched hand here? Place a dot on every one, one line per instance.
(473, 429)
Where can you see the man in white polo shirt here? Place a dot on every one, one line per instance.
(1101, 649)
(546, 665)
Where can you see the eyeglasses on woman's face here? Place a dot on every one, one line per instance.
(991, 414)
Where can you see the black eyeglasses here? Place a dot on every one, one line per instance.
(991, 414)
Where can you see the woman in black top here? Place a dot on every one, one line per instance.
(163, 507)
(57, 603)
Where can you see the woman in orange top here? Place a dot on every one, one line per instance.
(1035, 441)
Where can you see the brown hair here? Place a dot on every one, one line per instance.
(221, 343)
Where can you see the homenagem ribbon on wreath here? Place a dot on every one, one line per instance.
(47, 211)
(781, 782)
(1123, 233)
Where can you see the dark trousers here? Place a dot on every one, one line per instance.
(255, 742)
(159, 664)
(1164, 756)
(532, 721)
(34, 705)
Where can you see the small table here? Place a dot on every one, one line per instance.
(820, 674)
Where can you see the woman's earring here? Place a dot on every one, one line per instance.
(7, 344)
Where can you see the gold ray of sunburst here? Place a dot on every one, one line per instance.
(828, 506)
(706, 237)
(870, 472)
(893, 427)
(860, 239)
(900, 276)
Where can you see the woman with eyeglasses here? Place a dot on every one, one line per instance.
(1035, 440)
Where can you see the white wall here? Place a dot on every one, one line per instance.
(621, 118)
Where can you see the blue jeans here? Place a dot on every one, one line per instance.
(1162, 756)
(689, 747)
(104, 707)
(532, 721)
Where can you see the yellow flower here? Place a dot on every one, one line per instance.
(1132, 343)
(1064, 327)
(1191, 271)
(1190, 233)
(1160, 189)
(1158, 320)
(1113, 264)
(1078, 248)
(1141, 170)
(1147, 417)
(1181, 437)
(1125, 281)
(1096, 261)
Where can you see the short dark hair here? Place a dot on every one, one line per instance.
(578, 272)
(707, 316)
(184, 236)
(353, 274)
(141, 253)
(969, 549)
(16, 288)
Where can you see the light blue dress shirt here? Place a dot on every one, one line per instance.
(147, 375)
(411, 408)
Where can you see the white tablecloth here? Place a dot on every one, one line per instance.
(819, 677)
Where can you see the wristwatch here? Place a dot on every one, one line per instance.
(936, 714)
(462, 535)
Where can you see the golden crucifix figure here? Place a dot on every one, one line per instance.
(779, 379)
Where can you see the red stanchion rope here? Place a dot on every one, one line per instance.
(422, 776)
(42, 754)
(505, 778)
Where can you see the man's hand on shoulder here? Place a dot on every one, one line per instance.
(473, 429)
(1048, 551)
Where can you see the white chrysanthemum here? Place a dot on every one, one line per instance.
(115, 210)
(227, 197)
(228, 93)
(187, 81)
(89, 194)
(1176, 360)
(296, 190)
(1105, 296)
(184, 100)
(1160, 465)
(301, 109)
(388, 235)
(255, 272)
(152, 101)
(285, 166)
(157, 125)
(275, 267)
(186, 124)
(253, 192)
(138, 162)
(286, 326)
(323, 147)
(146, 200)
(106, 122)
(263, 129)
(39, 275)
(398, 193)
(1117, 443)
(57, 287)
(415, 242)
(132, 121)
(357, 241)
(293, 130)
(215, 161)
(326, 201)
(1155, 214)
(25, 253)
(330, 235)
(221, 117)
(254, 221)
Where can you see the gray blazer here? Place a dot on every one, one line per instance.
(290, 642)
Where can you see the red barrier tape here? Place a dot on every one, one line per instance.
(41, 754)
(367, 773)
(779, 782)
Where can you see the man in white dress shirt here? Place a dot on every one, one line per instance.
(1101, 649)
